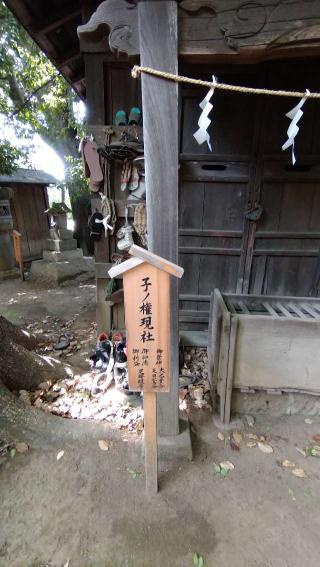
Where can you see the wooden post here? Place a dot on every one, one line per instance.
(17, 245)
(150, 441)
(158, 34)
(146, 285)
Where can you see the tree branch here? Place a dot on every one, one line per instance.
(28, 98)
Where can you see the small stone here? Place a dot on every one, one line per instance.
(44, 385)
(24, 396)
(104, 445)
(227, 466)
(308, 421)
(22, 447)
(288, 464)
(250, 420)
(220, 436)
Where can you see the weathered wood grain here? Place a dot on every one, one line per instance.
(238, 30)
(150, 442)
(159, 49)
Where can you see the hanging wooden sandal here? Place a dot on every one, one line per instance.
(126, 174)
(140, 222)
(92, 161)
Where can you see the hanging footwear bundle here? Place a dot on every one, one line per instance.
(91, 163)
(108, 210)
(124, 235)
(140, 222)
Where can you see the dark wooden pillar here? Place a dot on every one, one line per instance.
(94, 64)
(158, 34)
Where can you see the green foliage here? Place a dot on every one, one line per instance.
(75, 181)
(9, 156)
(198, 560)
(133, 473)
(34, 97)
(57, 208)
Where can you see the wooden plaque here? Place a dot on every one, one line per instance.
(147, 316)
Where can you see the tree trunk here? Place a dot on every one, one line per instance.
(17, 335)
(20, 368)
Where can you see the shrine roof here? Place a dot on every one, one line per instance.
(141, 255)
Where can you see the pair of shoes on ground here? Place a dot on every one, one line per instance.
(135, 117)
(110, 358)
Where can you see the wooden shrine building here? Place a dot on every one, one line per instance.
(241, 218)
(28, 205)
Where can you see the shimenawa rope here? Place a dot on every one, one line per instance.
(137, 70)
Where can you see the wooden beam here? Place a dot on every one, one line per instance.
(77, 76)
(158, 38)
(48, 24)
(68, 58)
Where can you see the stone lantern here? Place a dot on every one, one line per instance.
(7, 259)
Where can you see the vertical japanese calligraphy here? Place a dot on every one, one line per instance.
(146, 290)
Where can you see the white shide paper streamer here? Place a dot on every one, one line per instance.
(202, 135)
(294, 114)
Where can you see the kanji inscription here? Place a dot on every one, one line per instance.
(147, 312)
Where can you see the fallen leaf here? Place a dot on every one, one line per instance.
(60, 455)
(308, 421)
(252, 436)
(313, 451)
(13, 452)
(237, 437)
(288, 464)
(262, 438)
(299, 472)
(216, 468)
(227, 466)
(301, 451)
(265, 448)
(104, 445)
(133, 473)
(220, 436)
(234, 446)
(316, 438)
(251, 444)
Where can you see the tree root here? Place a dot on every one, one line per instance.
(20, 369)
(40, 429)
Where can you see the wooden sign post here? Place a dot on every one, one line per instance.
(147, 317)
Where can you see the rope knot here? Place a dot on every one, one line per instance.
(135, 73)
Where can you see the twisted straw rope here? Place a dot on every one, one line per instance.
(137, 70)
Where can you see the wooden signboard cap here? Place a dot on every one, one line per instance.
(141, 255)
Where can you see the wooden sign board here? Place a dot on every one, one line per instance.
(147, 318)
(147, 315)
